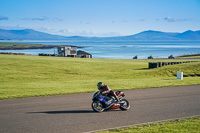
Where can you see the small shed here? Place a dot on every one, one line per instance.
(83, 54)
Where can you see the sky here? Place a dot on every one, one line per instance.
(101, 18)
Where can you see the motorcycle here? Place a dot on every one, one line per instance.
(101, 103)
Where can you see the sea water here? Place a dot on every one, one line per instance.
(118, 49)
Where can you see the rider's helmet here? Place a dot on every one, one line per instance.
(100, 85)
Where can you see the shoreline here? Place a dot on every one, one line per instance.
(106, 50)
(22, 46)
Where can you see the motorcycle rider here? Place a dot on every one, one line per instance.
(105, 91)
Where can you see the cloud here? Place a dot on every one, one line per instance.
(84, 23)
(68, 32)
(36, 19)
(3, 18)
(57, 19)
(185, 19)
(64, 31)
(171, 19)
(17, 27)
(42, 19)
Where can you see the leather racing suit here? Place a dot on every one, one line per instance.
(106, 91)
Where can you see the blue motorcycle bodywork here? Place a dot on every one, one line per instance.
(102, 99)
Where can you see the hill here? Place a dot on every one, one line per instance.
(28, 34)
(189, 35)
(154, 35)
(158, 35)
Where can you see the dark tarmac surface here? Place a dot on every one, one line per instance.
(73, 113)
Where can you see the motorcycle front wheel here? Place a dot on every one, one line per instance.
(97, 106)
(124, 104)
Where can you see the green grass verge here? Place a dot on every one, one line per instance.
(188, 125)
(28, 76)
(188, 57)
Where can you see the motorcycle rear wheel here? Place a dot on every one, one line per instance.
(124, 105)
(97, 106)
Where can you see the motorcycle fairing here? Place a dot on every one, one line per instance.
(120, 93)
(116, 106)
(102, 99)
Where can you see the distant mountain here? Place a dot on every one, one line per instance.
(28, 34)
(189, 35)
(154, 35)
(158, 35)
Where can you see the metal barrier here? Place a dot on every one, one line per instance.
(160, 64)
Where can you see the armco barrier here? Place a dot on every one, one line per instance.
(160, 64)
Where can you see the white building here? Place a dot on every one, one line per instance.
(67, 51)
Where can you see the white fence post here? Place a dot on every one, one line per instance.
(180, 75)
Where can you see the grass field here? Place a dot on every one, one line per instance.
(189, 57)
(189, 125)
(27, 76)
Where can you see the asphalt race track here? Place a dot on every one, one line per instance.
(73, 113)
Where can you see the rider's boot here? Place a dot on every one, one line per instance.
(117, 99)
